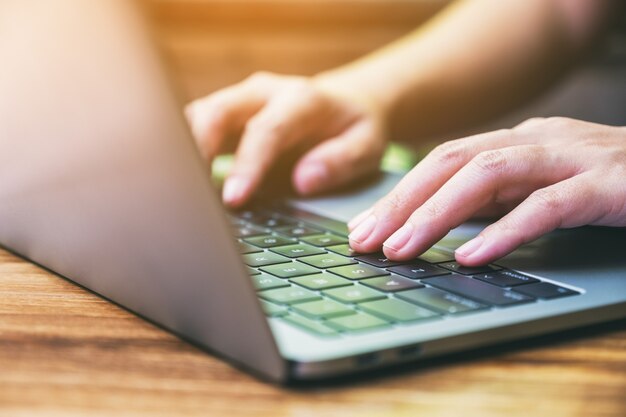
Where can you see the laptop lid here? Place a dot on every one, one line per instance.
(100, 180)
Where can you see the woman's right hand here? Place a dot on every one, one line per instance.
(336, 135)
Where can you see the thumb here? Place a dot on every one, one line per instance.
(339, 160)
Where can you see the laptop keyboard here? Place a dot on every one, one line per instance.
(307, 275)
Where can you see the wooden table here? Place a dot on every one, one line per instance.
(64, 351)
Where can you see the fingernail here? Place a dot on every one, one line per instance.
(363, 231)
(470, 247)
(310, 177)
(358, 219)
(400, 238)
(235, 189)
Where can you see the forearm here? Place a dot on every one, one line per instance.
(474, 61)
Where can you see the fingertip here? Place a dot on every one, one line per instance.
(236, 191)
(310, 178)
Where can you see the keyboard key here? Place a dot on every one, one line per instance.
(327, 260)
(344, 250)
(466, 270)
(324, 240)
(358, 271)
(321, 281)
(268, 241)
(272, 221)
(289, 270)
(434, 256)
(298, 250)
(418, 270)
(290, 295)
(247, 231)
(316, 327)
(298, 231)
(354, 294)
(268, 282)
(397, 310)
(323, 309)
(441, 301)
(252, 271)
(273, 310)
(545, 290)
(356, 322)
(477, 290)
(391, 283)
(505, 278)
(264, 258)
(248, 248)
(378, 260)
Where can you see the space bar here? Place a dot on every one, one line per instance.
(477, 290)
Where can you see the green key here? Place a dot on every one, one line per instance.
(442, 301)
(327, 260)
(267, 282)
(391, 283)
(397, 310)
(268, 241)
(252, 271)
(355, 322)
(310, 325)
(344, 250)
(324, 240)
(321, 281)
(273, 310)
(434, 255)
(264, 258)
(296, 251)
(323, 309)
(248, 248)
(354, 294)
(289, 295)
(358, 271)
(289, 270)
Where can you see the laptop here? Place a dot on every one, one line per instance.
(100, 182)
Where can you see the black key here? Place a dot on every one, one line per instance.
(344, 250)
(505, 278)
(391, 283)
(248, 248)
(418, 270)
(434, 256)
(269, 241)
(545, 290)
(477, 290)
(466, 270)
(298, 231)
(442, 301)
(324, 240)
(378, 259)
(247, 231)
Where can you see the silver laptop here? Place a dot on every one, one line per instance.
(100, 182)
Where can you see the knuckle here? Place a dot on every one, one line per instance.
(268, 129)
(392, 203)
(546, 199)
(532, 122)
(259, 77)
(433, 209)
(492, 162)
(451, 152)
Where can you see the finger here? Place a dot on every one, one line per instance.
(284, 121)
(421, 183)
(340, 160)
(223, 114)
(573, 202)
(492, 176)
(352, 224)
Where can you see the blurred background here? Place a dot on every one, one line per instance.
(214, 43)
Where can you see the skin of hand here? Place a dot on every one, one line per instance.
(334, 134)
(544, 174)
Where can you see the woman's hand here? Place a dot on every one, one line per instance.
(545, 174)
(336, 135)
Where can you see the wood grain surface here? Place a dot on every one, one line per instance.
(67, 352)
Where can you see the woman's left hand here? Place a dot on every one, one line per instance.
(544, 174)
